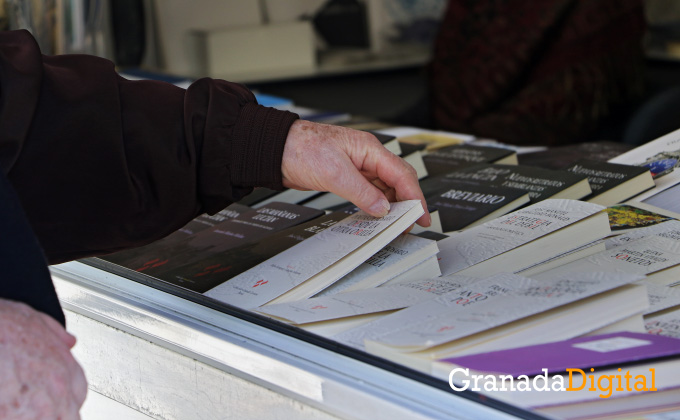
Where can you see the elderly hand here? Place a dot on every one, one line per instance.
(40, 379)
(350, 163)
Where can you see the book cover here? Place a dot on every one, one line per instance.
(451, 158)
(205, 221)
(612, 183)
(615, 349)
(661, 156)
(534, 296)
(462, 205)
(207, 273)
(363, 302)
(625, 217)
(661, 297)
(670, 227)
(319, 261)
(248, 227)
(644, 256)
(540, 183)
(491, 242)
(665, 323)
(400, 255)
(561, 157)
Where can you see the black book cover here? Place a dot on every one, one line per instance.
(451, 158)
(604, 176)
(408, 148)
(561, 157)
(202, 222)
(462, 204)
(250, 226)
(538, 182)
(207, 273)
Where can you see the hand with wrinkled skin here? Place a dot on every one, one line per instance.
(39, 378)
(350, 163)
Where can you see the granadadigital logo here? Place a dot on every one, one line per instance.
(460, 379)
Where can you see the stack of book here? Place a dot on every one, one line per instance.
(570, 266)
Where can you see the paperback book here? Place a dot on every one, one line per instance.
(309, 267)
(451, 158)
(612, 183)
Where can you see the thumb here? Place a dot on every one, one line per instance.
(356, 188)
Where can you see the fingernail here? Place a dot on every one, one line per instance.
(380, 207)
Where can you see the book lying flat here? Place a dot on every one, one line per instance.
(540, 183)
(462, 206)
(250, 226)
(533, 298)
(209, 272)
(513, 241)
(661, 297)
(451, 158)
(609, 354)
(666, 323)
(661, 156)
(644, 256)
(612, 183)
(129, 257)
(624, 218)
(670, 227)
(316, 263)
(381, 299)
(564, 258)
(614, 349)
(400, 255)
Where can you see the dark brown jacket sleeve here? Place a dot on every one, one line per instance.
(101, 163)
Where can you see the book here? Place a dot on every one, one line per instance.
(400, 255)
(614, 349)
(209, 272)
(541, 184)
(202, 222)
(561, 157)
(564, 258)
(661, 297)
(513, 241)
(648, 256)
(450, 158)
(432, 140)
(248, 227)
(612, 183)
(669, 227)
(314, 264)
(615, 355)
(463, 321)
(661, 156)
(258, 194)
(541, 311)
(666, 323)
(462, 206)
(362, 302)
(624, 217)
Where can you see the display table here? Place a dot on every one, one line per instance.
(176, 357)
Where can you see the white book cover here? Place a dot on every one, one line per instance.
(666, 323)
(564, 258)
(669, 227)
(474, 294)
(533, 298)
(364, 302)
(642, 256)
(662, 157)
(480, 243)
(661, 297)
(316, 257)
(403, 253)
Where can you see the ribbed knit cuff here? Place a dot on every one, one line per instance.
(259, 137)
